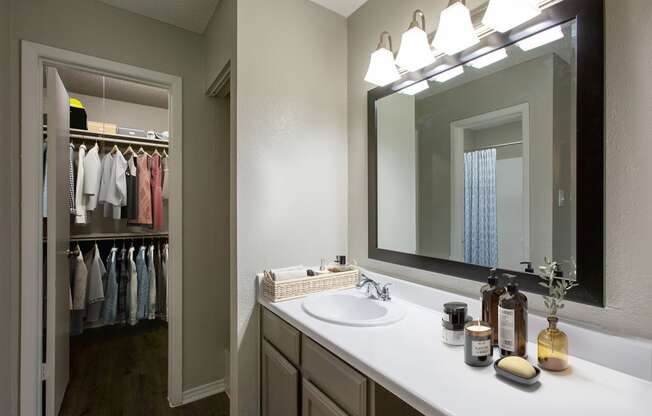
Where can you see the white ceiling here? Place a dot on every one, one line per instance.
(192, 15)
(343, 7)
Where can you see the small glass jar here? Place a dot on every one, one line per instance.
(552, 347)
(452, 323)
(478, 344)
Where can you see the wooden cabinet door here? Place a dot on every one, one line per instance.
(315, 403)
(279, 384)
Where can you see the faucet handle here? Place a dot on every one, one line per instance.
(385, 292)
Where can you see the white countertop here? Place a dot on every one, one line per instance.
(409, 359)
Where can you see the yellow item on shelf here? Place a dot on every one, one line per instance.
(518, 366)
(76, 103)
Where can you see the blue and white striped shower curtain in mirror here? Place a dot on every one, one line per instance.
(480, 235)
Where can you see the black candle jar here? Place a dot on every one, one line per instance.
(478, 348)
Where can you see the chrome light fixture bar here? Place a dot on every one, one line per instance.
(382, 67)
(415, 52)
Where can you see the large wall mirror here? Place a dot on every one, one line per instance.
(494, 158)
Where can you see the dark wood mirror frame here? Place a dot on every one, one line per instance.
(589, 15)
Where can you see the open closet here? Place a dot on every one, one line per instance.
(106, 186)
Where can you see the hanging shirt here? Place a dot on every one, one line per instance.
(132, 191)
(79, 283)
(109, 308)
(92, 177)
(95, 292)
(113, 186)
(123, 283)
(151, 310)
(80, 200)
(133, 288)
(143, 283)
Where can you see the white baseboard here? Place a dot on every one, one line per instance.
(200, 392)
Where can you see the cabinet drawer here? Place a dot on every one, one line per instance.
(340, 382)
(282, 336)
(315, 403)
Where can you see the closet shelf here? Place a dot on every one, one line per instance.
(86, 135)
(117, 139)
(116, 236)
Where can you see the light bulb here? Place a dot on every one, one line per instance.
(504, 15)
(382, 69)
(455, 32)
(414, 52)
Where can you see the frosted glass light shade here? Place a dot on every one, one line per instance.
(382, 68)
(415, 88)
(455, 32)
(450, 74)
(504, 15)
(414, 52)
(541, 38)
(489, 58)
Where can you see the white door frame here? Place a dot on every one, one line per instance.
(521, 111)
(34, 57)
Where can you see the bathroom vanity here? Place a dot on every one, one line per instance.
(314, 367)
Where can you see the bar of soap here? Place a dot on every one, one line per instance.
(517, 365)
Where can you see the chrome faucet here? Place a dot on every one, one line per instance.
(374, 289)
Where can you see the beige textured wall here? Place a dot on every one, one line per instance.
(291, 155)
(90, 27)
(628, 198)
(219, 46)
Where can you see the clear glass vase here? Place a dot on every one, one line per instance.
(552, 350)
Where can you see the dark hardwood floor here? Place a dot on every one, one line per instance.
(122, 371)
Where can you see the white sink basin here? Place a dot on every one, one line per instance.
(353, 309)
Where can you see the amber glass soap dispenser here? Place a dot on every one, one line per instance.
(512, 320)
(491, 293)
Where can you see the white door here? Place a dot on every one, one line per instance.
(58, 232)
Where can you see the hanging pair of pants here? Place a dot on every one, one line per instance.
(143, 283)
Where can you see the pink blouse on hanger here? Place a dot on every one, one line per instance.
(144, 190)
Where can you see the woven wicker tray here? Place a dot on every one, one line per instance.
(296, 288)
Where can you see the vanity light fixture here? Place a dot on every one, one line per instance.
(541, 38)
(414, 52)
(415, 88)
(504, 15)
(450, 74)
(455, 32)
(382, 68)
(488, 59)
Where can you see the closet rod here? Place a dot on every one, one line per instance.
(118, 141)
(495, 146)
(117, 236)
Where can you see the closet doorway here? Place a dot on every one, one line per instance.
(128, 120)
